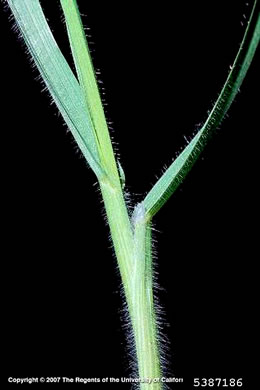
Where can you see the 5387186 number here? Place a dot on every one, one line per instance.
(217, 382)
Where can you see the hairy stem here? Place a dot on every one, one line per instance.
(132, 243)
(120, 228)
(143, 316)
(130, 247)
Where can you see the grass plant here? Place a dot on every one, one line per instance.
(78, 99)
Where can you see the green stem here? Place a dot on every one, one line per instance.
(120, 228)
(133, 252)
(130, 248)
(88, 83)
(143, 316)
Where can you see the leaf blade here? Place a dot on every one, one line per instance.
(57, 76)
(178, 170)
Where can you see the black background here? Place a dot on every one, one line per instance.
(162, 66)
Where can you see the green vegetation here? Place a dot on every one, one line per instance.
(79, 102)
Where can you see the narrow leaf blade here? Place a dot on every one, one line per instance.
(178, 170)
(57, 75)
